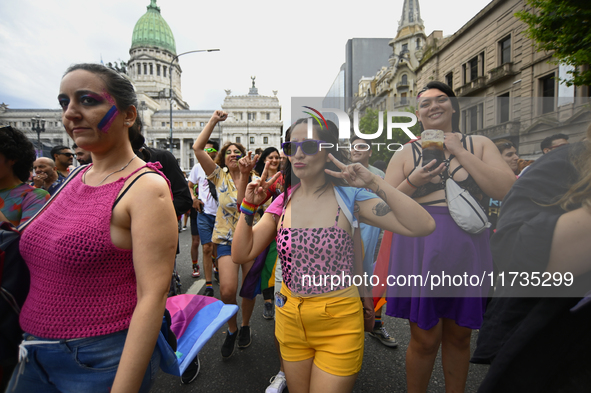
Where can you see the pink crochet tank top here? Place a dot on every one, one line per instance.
(81, 284)
(310, 256)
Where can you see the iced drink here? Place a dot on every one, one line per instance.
(432, 142)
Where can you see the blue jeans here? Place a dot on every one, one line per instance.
(80, 365)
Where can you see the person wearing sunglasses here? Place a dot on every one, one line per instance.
(63, 157)
(226, 175)
(320, 327)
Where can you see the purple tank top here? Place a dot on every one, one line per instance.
(310, 257)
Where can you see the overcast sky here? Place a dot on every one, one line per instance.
(296, 48)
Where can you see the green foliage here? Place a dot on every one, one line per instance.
(562, 26)
(368, 124)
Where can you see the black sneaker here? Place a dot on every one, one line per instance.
(244, 339)
(192, 371)
(268, 311)
(208, 292)
(229, 344)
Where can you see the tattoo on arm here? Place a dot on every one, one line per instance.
(381, 209)
(381, 194)
(249, 219)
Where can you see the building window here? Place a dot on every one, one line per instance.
(418, 43)
(139, 69)
(191, 162)
(202, 124)
(145, 69)
(151, 69)
(251, 116)
(473, 118)
(268, 116)
(265, 140)
(163, 124)
(403, 98)
(547, 86)
(164, 71)
(404, 79)
(252, 139)
(503, 105)
(505, 50)
(158, 69)
(449, 80)
(404, 48)
(473, 68)
(237, 139)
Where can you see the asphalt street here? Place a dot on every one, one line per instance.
(250, 369)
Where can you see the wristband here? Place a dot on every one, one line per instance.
(248, 208)
(410, 184)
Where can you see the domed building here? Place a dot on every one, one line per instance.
(254, 119)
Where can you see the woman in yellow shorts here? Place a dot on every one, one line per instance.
(319, 321)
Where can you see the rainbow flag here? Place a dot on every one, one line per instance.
(195, 319)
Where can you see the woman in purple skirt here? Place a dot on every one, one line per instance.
(446, 315)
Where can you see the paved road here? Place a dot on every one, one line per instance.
(249, 370)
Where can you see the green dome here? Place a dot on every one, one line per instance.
(151, 30)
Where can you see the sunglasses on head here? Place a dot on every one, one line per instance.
(308, 147)
(210, 150)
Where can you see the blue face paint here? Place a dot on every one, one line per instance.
(108, 119)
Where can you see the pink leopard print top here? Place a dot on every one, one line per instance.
(312, 258)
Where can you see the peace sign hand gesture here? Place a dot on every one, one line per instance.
(246, 163)
(256, 191)
(356, 175)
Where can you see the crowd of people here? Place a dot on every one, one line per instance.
(268, 220)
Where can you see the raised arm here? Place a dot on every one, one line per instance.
(198, 147)
(393, 210)
(153, 241)
(249, 242)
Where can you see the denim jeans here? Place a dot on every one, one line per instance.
(80, 365)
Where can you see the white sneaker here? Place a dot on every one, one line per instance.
(278, 383)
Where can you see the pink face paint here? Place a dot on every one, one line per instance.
(106, 122)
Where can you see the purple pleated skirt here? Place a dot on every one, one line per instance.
(450, 255)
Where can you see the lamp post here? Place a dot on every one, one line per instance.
(170, 75)
(38, 127)
(247, 133)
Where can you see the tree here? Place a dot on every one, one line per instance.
(368, 124)
(562, 26)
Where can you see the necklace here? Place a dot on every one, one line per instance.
(112, 173)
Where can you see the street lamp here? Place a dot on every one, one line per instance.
(170, 75)
(38, 127)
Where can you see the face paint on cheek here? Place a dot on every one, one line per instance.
(108, 119)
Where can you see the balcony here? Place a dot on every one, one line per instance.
(500, 73)
(402, 85)
(472, 87)
(504, 130)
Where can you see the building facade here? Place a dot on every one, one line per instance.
(394, 84)
(254, 121)
(507, 89)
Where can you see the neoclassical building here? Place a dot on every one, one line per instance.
(393, 85)
(507, 89)
(254, 119)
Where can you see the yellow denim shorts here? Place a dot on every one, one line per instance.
(327, 328)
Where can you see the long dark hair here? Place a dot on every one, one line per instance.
(328, 135)
(14, 145)
(117, 86)
(260, 166)
(455, 118)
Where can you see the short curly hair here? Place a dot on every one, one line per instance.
(14, 145)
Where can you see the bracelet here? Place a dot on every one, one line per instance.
(248, 208)
(410, 184)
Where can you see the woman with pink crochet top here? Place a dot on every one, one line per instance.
(100, 256)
